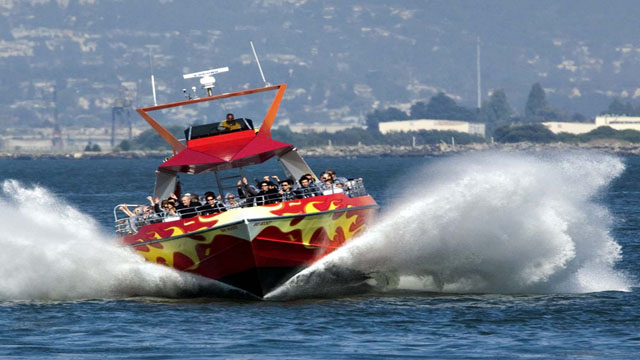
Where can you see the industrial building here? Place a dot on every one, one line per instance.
(432, 125)
(617, 122)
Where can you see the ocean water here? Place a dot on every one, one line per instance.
(488, 255)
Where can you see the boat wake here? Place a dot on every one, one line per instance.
(51, 251)
(484, 223)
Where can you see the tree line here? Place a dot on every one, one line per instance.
(503, 124)
(501, 121)
(494, 112)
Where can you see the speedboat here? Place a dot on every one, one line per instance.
(251, 245)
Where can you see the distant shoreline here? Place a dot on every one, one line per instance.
(608, 146)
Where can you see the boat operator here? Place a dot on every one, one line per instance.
(230, 124)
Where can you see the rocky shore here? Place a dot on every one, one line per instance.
(608, 146)
(611, 146)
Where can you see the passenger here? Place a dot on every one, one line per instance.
(125, 209)
(313, 184)
(286, 192)
(274, 177)
(231, 201)
(195, 200)
(134, 220)
(337, 179)
(170, 212)
(267, 194)
(306, 189)
(155, 205)
(212, 206)
(229, 124)
(162, 208)
(330, 188)
(185, 209)
(310, 178)
(245, 189)
(324, 179)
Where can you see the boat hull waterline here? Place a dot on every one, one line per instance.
(257, 248)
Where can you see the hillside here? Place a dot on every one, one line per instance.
(340, 59)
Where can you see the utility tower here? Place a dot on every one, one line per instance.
(121, 112)
(56, 138)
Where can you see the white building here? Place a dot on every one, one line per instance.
(432, 125)
(614, 121)
(316, 127)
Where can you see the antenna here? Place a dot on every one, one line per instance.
(153, 80)
(478, 71)
(206, 78)
(258, 61)
(153, 88)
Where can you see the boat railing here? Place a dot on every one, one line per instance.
(145, 214)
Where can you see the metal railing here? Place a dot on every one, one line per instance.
(145, 214)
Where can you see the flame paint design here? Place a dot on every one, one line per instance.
(272, 235)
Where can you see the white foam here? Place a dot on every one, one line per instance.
(51, 251)
(493, 223)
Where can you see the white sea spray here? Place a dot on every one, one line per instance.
(487, 223)
(52, 251)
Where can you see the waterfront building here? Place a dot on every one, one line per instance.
(432, 125)
(617, 122)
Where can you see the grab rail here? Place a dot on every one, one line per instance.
(128, 225)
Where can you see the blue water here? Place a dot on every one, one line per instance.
(67, 293)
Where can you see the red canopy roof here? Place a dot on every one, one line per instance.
(225, 152)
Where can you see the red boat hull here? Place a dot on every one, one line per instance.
(256, 249)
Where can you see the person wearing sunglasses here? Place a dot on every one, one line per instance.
(211, 206)
(268, 194)
(286, 191)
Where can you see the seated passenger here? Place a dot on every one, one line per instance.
(286, 191)
(212, 206)
(195, 200)
(231, 201)
(170, 212)
(246, 190)
(135, 217)
(267, 194)
(185, 209)
(326, 181)
(329, 187)
(306, 189)
(337, 179)
(310, 178)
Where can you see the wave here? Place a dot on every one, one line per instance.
(484, 223)
(52, 251)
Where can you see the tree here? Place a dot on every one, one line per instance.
(527, 132)
(150, 140)
(418, 110)
(389, 114)
(618, 108)
(536, 102)
(577, 117)
(443, 107)
(496, 111)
